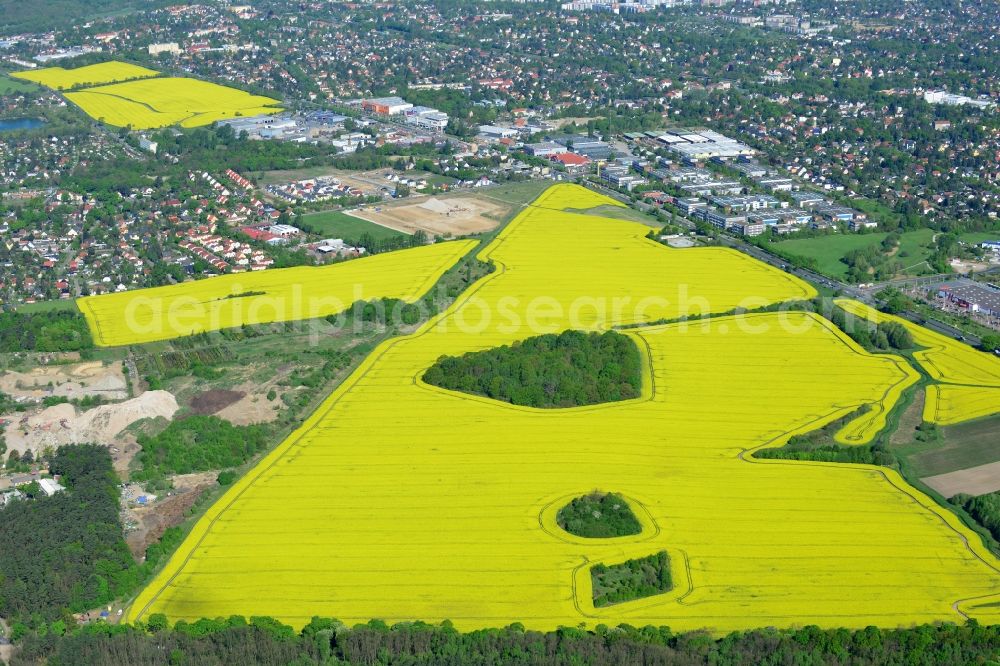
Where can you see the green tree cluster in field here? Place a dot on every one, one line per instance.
(197, 444)
(894, 301)
(565, 370)
(44, 332)
(990, 343)
(632, 579)
(598, 515)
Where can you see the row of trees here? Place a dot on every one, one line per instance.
(262, 641)
(885, 336)
(820, 445)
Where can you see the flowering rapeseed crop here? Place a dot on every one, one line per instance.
(135, 99)
(153, 103)
(58, 78)
(286, 294)
(969, 380)
(399, 500)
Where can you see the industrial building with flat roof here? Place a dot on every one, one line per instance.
(386, 106)
(427, 118)
(973, 297)
(704, 145)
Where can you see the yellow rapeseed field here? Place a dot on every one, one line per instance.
(398, 500)
(288, 294)
(969, 379)
(948, 404)
(152, 103)
(58, 78)
(122, 112)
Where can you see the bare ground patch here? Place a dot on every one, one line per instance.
(579, 120)
(65, 424)
(210, 402)
(912, 417)
(77, 380)
(123, 450)
(150, 522)
(254, 405)
(977, 480)
(439, 216)
(369, 182)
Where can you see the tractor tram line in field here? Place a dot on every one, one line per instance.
(125, 95)
(483, 479)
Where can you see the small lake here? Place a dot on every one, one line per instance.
(13, 124)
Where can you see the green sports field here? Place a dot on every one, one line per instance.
(336, 224)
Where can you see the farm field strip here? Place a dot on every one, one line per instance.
(287, 294)
(122, 112)
(397, 500)
(126, 95)
(969, 380)
(151, 103)
(59, 78)
(948, 404)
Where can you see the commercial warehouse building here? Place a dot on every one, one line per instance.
(386, 106)
(972, 297)
(427, 118)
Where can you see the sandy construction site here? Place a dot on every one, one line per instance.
(438, 216)
(65, 424)
(77, 380)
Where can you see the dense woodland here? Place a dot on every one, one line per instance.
(598, 515)
(65, 553)
(565, 370)
(984, 508)
(196, 444)
(56, 331)
(267, 643)
(630, 580)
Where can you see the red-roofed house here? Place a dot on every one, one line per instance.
(258, 234)
(574, 163)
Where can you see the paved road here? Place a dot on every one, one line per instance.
(944, 329)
